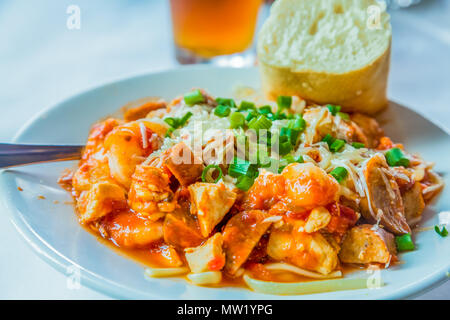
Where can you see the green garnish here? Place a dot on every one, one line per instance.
(404, 242)
(185, 118)
(443, 233)
(209, 167)
(244, 183)
(252, 114)
(265, 109)
(226, 102)
(237, 120)
(288, 160)
(246, 105)
(339, 173)
(333, 109)
(279, 116)
(284, 102)
(175, 123)
(284, 148)
(260, 123)
(328, 139)
(358, 145)
(244, 171)
(222, 111)
(343, 115)
(193, 97)
(298, 123)
(292, 134)
(241, 167)
(334, 144)
(337, 145)
(169, 132)
(396, 158)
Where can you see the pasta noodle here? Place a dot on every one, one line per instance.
(290, 288)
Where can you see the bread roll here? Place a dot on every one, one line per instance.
(327, 51)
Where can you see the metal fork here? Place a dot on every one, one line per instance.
(12, 155)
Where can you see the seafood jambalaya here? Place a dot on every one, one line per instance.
(222, 189)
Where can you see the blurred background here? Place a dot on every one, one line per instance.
(52, 49)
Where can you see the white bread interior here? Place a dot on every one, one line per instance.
(327, 51)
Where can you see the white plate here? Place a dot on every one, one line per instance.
(53, 231)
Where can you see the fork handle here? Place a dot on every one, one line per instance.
(12, 155)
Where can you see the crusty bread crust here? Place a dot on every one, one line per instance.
(362, 90)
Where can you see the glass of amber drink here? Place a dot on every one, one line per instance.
(218, 31)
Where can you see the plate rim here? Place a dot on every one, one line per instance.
(110, 288)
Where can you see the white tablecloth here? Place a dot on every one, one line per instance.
(43, 62)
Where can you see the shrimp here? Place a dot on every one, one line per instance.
(309, 186)
(127, 146)
(93, 166)
(267, 190)
(300, 186)
(131, 230)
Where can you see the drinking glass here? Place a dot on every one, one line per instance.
(215, 31)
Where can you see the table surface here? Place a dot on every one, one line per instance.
(42, 62)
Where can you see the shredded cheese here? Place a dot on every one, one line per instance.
(144, 135)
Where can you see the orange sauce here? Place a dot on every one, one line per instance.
(152, 258)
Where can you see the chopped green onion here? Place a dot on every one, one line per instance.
(209, 167)
(443, 233)
(343, 115)
(333, 109)
(169, 132)
(226, 102)
(328, 139)
(252, 114)
(284, 102)
(288, 160)
(292, 134)
(265, 109)
(260, 123)
(238, 169)
(337, 145)
(185, 118)
(281, 168)
(339, 173)
(237, 120)
(193, 97)
(358, 145)
(222, 111)
(173, 122)
(285, 148)
(404, 242)
(244, 183)
(241, 167)
(279, 116)
(396, 158)
(246, 105)
(298, 123)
